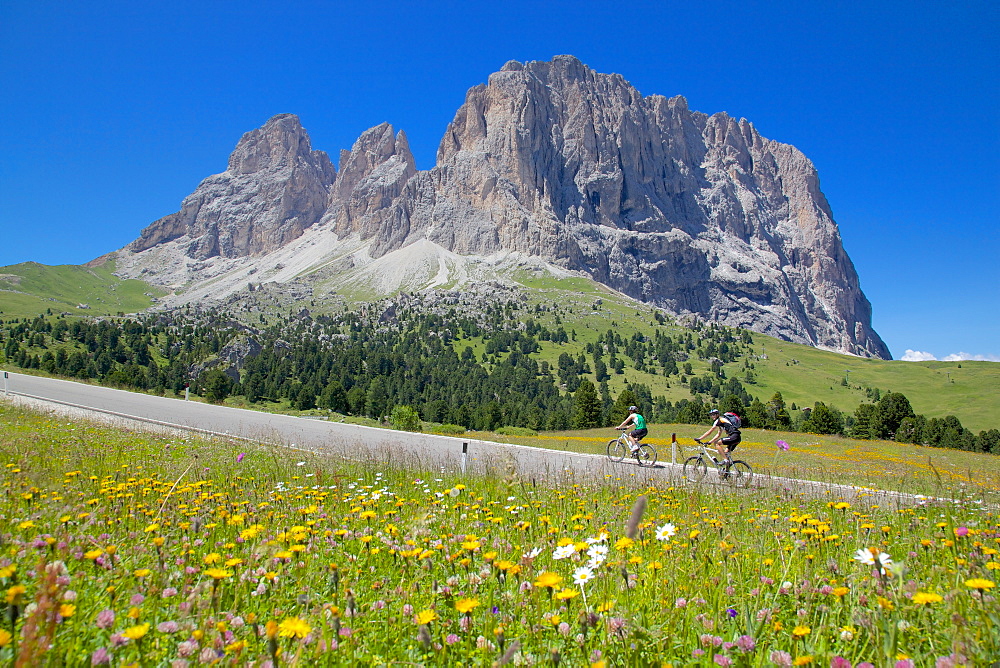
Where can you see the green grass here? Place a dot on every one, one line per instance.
(31, 289)
(147, 548)
(885, 465)
(804, 375)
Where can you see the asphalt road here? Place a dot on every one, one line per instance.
(360, 443)
(320, 436)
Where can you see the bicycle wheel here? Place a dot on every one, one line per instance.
(616, 450)
(646, 455)
(740, 474)
(695, 469)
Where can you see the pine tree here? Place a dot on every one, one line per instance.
(619, 411)
(586, 407)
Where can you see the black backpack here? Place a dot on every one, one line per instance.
(734, 422)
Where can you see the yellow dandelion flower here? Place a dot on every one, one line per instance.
(840, 592)
(466, 605)
(67, 610)
(212, 558)
(5, 637)
(801, 631)
(624, 543)
(293, 627)
(548, 579)
(980, 583)
(802, 661)
(14, 594)
(925, 598)
(136, 632)
(218, 573)
(142, 573)
(425, 617)
(7, 571)
(567, 594)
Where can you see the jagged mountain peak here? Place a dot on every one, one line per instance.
(692, 212)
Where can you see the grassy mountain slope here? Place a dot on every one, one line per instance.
(586, 310)
(804, 375)
(29, 289)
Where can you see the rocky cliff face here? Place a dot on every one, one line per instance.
(690, 212)
(276, 186)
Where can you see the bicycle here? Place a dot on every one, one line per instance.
(737, 473)
(618, 448)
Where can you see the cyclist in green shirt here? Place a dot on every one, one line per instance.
(637, 421)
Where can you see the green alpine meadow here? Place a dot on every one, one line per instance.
(124, 548)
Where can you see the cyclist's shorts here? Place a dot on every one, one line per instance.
(732, 441)
(639, 434)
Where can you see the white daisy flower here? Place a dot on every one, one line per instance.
(564, 552)
(583, 575)
(599, 550)
(666, 532)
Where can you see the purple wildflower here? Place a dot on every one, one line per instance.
(780, 658)
(105, 619)
(783, 446)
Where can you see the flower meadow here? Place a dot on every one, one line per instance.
(120, 549)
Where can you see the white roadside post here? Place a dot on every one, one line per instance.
(673, 448)
(465, 452)
(5, 383)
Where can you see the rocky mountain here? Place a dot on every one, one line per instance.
(549, 161)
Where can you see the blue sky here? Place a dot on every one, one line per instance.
(114, 111)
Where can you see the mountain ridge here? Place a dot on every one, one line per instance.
(548, 160)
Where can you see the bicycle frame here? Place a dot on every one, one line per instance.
(619, 448)
(736, 472)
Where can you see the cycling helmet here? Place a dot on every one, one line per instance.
(633, 409)
(714, 411)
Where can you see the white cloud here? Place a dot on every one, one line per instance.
(917, 356)
(958, 357)
(920, 356)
